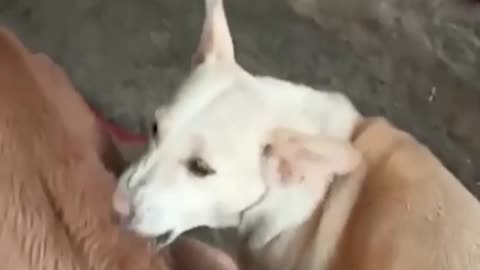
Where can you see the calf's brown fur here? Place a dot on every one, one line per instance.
(400, 209)
(56, 183)
(412, 213)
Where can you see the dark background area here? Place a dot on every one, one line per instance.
(415, 61)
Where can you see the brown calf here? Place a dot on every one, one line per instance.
(56, 178)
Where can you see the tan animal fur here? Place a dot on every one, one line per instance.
(55, 191)
(55, 188)
(407, 212)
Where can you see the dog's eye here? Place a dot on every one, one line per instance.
(199, 167)
(154, 129)
(267, 150)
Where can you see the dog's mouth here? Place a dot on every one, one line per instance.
(164, 238)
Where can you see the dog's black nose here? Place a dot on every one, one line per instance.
(164, 237)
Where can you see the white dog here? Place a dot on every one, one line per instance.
(204, 164)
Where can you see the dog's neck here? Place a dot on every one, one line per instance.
(308, 239)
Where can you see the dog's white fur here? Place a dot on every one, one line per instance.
(223, 115)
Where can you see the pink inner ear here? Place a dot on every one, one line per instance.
(296, 163)
(204, 47)
(215, 40)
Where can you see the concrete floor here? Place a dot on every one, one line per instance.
(414, 61)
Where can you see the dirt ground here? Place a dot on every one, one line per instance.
(414, 61)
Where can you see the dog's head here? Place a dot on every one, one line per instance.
(203, 166)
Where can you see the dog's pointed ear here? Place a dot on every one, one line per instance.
(297, 157)
(215, 42)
